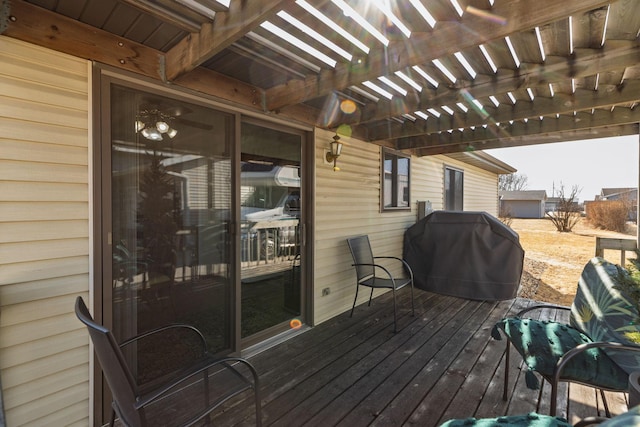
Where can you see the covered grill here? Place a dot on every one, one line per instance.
(464, 254)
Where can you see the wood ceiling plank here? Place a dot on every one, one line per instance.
(624, 20)
(578, 135)
(54, 31)
(242, 94)
(188, 21)
(480, 136)
(628, 92)
(446, 38)
(615, 55)
(214, 37)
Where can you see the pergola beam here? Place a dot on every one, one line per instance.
(532, 128)
(446, 39)
(582, 100)
(44, 28)
(214, 37)
(583, 134)
(616, 54)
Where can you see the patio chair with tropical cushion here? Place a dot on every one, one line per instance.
(627, 419)
(375, 275)
(599, 346)
(182, 396)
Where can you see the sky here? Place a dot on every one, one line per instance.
(590, 164)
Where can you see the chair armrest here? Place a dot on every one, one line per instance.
(198, 369)
(406, 265)
(383, 268)
(164, 329)
(541, 306)
(584, 347)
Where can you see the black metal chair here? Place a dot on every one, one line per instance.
(158, 400)
(366, 268)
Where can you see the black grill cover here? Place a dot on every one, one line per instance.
(465, 254)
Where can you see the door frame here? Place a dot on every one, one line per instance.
(102, 76)
(277, 333)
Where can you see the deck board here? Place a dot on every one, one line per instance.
(442, 364)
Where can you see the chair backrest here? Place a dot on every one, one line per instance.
(115, 369)
(362, 254)
(604, 313)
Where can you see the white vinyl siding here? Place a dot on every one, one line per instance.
(45, 229)
(44, 234)
(427, 184)
(348, 204)
(481, 191)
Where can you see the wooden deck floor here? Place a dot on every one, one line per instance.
(441, 364)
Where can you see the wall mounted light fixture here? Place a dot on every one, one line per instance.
(335, 150)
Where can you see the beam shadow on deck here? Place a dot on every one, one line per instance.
(441, 364)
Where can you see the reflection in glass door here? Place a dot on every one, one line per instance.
(170, 213)
(270, 197)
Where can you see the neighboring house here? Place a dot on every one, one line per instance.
(70, 218)
(552, 203)
(625, 194)
(523, 204)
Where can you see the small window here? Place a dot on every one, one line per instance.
(453, 186)
(396, 169)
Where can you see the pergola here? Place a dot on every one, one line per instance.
(423, 76)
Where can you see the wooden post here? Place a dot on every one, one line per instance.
(621, 245)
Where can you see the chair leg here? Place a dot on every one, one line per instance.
(413, 309)
(540, 394)
(554, 399)
(605, 403)
(206, 394)
(505, 386)
(395, 315)
(256, 391)
(354, 301)
(370, 297)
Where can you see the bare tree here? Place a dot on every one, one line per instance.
(505, 215)
(512, 182)
(567, 213)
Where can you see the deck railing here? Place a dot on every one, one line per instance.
(621, 245)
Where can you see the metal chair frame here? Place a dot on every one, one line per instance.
(130, 402)
(366, 267)
(555, 379)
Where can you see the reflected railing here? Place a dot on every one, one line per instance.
(269, 242)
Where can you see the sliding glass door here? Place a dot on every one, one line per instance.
(171, 210)
(271, 234)
(200, 222)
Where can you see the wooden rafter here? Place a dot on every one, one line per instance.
(615, 55)
(187, 20)
(445, 39)
(532, 128)
(39, 26)
(582, 100)
(375, 122)
(578, 135)
(214, 37)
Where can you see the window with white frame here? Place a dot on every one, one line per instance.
(396, 169)
(453, 189)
